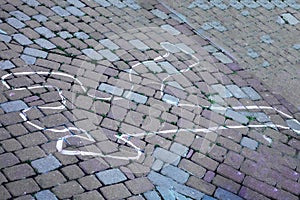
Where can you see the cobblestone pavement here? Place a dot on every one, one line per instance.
(260, 34)
(108, 99)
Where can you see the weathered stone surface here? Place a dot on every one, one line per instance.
(236, 116)
(166, 156)
(175, 173)
(35, 52)
(46, 164)
(111, 176)
(170, 99)
(6, 64)
(135, 97)
(91, 53)
(45, 194)
(110, 89)
(13, 106)
(250, 143)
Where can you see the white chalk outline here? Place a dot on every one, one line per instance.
(126, 136)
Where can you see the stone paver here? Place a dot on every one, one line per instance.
(45, 32)
(45, 194)
(46, 164)
(111, 176)
(6, 65)
(170, 96)
(92, 54)
(22, 39)
(138, 98)
(236, 116)
(110, 89)
(35, 52)
(170, 99)
(139, 45)
(175, 173)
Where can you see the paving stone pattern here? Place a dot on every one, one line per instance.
(165, 89)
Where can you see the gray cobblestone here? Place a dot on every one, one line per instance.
(266, 4)
(296, 46)
(183, 47)
(60, 11)
(45, 32)
(40, 18)
(175, 85)
(109, 55)
(175, 173)
(259, 116)
(44, 43)
(251, 93)
(152, 66)
(236, 4)
(179, 149)
(168, 67)
(252, 53)
(22, 39)
(139, 45)
(65, 34)
(170, 47)
(15, 23)
(110, 89)
(35, 52)
(294, 124)
(206, 197)
(77, 3)
(225, 195)
(250, 3)
(170, 99)
(166, 193)
(280, 20)
(222, 57)
(159, 14)
(28, 59)
(75, 11)
(236, 116)
(132, 4)
(91, 53)
(109, 44)
(81, 35)
(236, 91)
(32, 3)
(245, 13)
(6, 64)
(222, 90)
(157, 165)
(117, 3)
(103, 3)
(111, 176)
(218, 26)
(170, 29)
(166, 156)
(13, 106)
(46, 164)
(279, 3)
(151, 195)
(266, 39)
(45, 194)
(4, 38)
(290, 18)
(219, 4)
(162, 181)
(250, 143)
(135, 97)
(20, 15)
